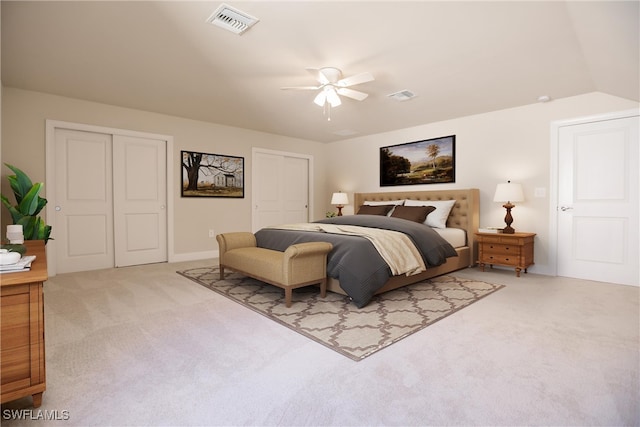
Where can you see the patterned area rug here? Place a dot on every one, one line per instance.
(337, 323)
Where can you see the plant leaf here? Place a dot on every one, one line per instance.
(29, 203)
(28, 225)
(15, 214)
(20, 183)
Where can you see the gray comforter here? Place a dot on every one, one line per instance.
(354, 261)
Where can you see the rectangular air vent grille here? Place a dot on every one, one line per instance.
(232, 19)
(402, 95)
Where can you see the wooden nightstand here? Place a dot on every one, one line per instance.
(514, 250)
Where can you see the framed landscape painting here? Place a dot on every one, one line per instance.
(212, 175)
(430, 161)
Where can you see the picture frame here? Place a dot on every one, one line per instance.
(429, 161)
(211, 175)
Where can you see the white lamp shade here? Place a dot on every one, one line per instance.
(508, 192)
(333, 98)
(339, 199)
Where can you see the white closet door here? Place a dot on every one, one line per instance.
(598, 201)
(280, 189)
(267, 190)
(296, 190)
(140, 214)
(83, 228)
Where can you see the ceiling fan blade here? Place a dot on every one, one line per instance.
(301, 87)
(355, 80)
(354, 94)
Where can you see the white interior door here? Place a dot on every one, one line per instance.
(296, 190)
(83, 202)
(598, 201)
(280, 190)
(140, 214)
(267, 190)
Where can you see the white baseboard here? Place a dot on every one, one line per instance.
(194, 256)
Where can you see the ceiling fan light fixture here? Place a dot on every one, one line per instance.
(320, 98)
(332, 97)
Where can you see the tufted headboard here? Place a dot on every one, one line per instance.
(465, 213)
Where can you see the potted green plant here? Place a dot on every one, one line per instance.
(28, 205)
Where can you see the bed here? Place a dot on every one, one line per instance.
(463, 219)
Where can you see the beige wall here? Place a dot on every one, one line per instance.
(23, 145)
(511, 144)
(490, 148)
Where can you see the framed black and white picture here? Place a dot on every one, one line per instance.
(212, 175)
(430, 161)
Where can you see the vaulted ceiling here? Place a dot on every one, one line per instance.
(459, 58)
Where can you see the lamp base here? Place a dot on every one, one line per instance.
(508, 219)
(339, 210)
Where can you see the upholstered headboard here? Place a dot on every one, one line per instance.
(465, 213)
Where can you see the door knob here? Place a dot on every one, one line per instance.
(58, 208)
(566, 208)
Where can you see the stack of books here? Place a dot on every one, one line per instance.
(490, 230)
(24, 264)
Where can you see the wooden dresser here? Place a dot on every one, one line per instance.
(22, 364)
(512, 250)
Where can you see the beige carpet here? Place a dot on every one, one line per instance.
(337, 323)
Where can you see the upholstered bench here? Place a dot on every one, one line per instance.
(300, 265)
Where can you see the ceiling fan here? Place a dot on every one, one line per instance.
(331, 85)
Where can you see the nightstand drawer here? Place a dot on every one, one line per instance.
(497, 249)
(493, 258)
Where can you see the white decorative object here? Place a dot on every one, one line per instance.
(7, 257)
(15, 234)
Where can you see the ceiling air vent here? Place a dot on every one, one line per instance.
(403, 95)
(232, 19)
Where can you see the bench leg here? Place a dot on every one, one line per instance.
(287, 296)
(221, 272)
(323, 288)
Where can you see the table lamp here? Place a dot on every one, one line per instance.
(508, 193)
(339, 200)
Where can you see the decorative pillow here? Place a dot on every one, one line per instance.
(374, 210)
(393, 204)
(413, 213)
(437, 218)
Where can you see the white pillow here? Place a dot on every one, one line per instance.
(437, 218)
(385, 202)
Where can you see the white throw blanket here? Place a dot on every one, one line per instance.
(396, 248)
